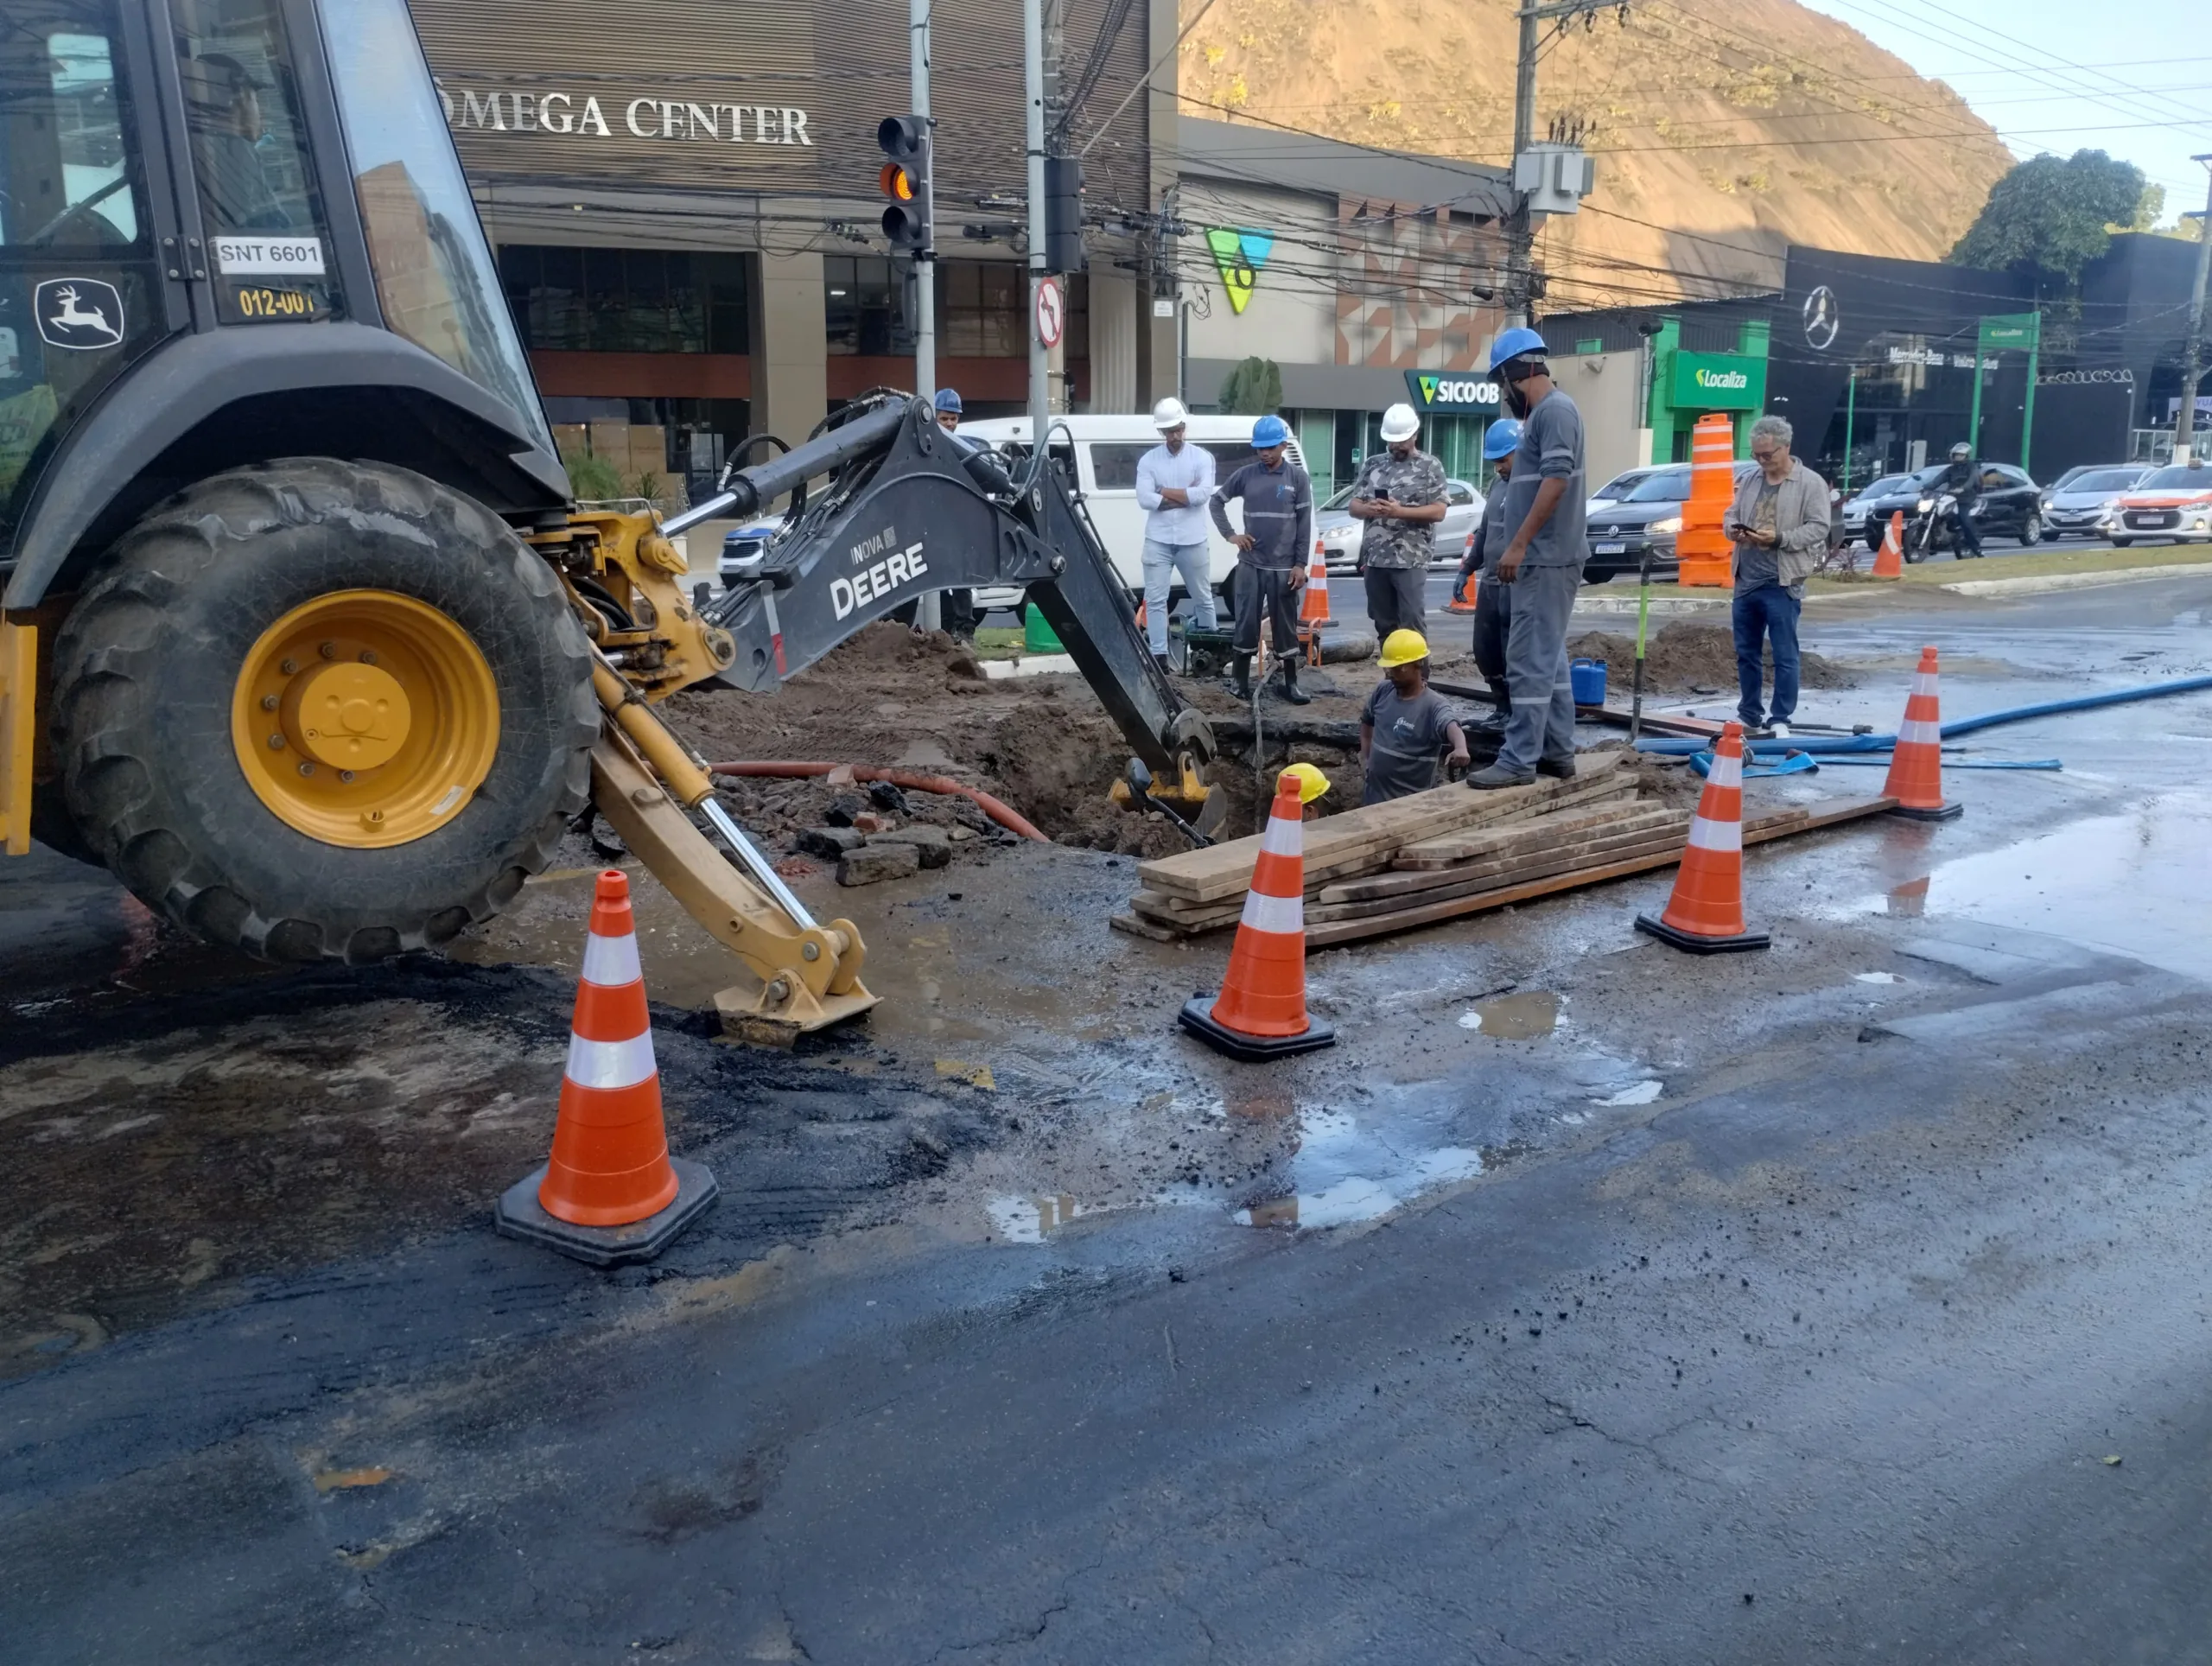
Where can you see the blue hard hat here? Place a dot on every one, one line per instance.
(1500, 438)
(1512, 344)
(948, 398)
(1269, 430)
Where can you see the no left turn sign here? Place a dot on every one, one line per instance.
(1052, 311)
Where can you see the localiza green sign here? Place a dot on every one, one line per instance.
(1719, 381)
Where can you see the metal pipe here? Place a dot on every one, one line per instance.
(2193, 359)
(763, 483)
(757, 865)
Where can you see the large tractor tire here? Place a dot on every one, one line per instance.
(319, 710)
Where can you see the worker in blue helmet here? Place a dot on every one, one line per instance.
(1493, 601)
(1541, 564)
(1271, 549)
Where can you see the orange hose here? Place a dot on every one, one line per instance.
(996, 809)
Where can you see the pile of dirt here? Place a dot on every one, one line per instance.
(1690, 656)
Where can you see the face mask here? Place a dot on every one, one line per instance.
(1515, 401)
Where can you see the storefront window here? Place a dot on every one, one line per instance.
(984, 310)
(626, 300)
(864, 300)
(435, 274)
(669, 450)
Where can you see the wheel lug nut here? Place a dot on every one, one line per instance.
(345, 775)
(328, 651)
(276, 743)
(368, 656)
(290, 667)
(373, 818)
(269, 703)
(306, 768)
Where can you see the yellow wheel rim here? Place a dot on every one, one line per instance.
(365, 718)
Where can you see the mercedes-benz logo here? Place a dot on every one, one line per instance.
(1823, 318)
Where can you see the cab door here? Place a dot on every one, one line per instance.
(83, 216)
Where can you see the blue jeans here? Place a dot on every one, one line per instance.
(1162, 562)
(1770, 611)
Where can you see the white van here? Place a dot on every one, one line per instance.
(1106, 449)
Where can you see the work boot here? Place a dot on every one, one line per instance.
(1496, 775)
(1160, 660)
(1240, 677)
(1291, 691)
(1559, 769)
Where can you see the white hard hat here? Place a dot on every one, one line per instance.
(1169, 413)
(1399, 423)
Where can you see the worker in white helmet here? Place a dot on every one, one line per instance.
(1174, 479)
(1399, 493)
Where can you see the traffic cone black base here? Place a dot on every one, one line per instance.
(1946, 813)
(1197, 1018)
(1690, 943)
(519, 1215)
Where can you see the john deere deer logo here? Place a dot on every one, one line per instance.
(79, 313)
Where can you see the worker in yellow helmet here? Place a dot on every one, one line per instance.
(1405, 724)
(1312, 783)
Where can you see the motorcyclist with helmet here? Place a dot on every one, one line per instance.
(1963, 480)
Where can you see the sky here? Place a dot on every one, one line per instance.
(2133, 79)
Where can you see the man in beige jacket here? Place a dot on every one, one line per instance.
(1780, 524)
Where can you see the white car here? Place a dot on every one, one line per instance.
(1106, 452)
(1617, 489)
(1338, 533)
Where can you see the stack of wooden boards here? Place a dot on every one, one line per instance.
(1448, 851)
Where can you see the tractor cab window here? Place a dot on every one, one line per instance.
(76, 296)
(435, 275)
(269, 258)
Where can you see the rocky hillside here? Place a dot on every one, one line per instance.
(1740, 128)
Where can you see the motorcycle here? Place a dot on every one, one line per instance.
(1935, 528)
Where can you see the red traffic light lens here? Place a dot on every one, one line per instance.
(898, 184)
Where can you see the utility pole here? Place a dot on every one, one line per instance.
(1054, 27)
(1032, 87)
(929, 614)
(2192, 361)
(1520, 223)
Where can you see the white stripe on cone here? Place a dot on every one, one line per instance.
(1725, 771)
(1923, 682)
(1716, 836)
(1281, 837)
(1283, 915)
(610, 1064)
(611, 962)
(1918, 731)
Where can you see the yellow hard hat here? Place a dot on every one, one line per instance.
(1312, 783)
(1403, 647)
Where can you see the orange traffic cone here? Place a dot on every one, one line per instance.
(1917, 766)
(610, 1193)
(1463, 599)
(1705, 914)
(1262, 1013)
(1313, 606)
(1889, 562)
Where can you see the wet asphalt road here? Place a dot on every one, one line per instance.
(1780, 1307)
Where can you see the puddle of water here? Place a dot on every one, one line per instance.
(1361, 1198)
(2129, 883)
(1514, 1017)
(1636, 1093)
(1027, 1220)
(1877, 978)
(1908, 901)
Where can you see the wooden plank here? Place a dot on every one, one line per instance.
(1143, 928)
(1225, 869)
(1783, 824)
(1420, 883)
(1450, 850)
(1668, 846)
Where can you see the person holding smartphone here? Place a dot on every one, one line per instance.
(1780, 522)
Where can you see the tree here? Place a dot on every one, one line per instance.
(2051, 216)
(1253, 388)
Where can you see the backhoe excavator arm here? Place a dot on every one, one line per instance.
(907, 511)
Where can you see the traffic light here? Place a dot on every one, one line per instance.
(1063, 214)
(906, 182)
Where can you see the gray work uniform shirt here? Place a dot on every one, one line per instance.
(1550, 449)
(1189, 470)
(1278, 513)
(1409, 734)
(1415, 480)
(1798, 511)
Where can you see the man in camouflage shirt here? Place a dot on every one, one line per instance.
(1399, 494)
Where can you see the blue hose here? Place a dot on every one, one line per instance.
(1821, 746)
(1955, 763)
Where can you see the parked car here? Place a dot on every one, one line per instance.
(1339, 533)
(2174, 502)
(2010, 505)
(742, 546)
(1648, 517)
(1107, 448)
(1618, 487)
(2078, 502)
(1859, 504)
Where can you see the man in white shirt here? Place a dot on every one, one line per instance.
(1174, 479)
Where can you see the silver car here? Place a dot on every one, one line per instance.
(1855, 506)
(2083, 497)
(1339, 533)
